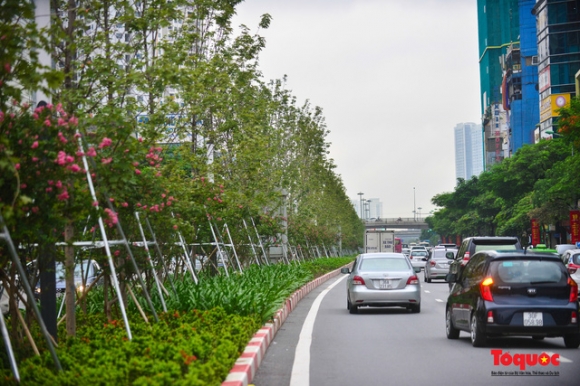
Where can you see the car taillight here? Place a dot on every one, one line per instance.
(433, 263)
(413, 280)
(574, 317)
(465, 258)
(573, 290)
(357, 280)
(490, 316)
(411, 257)
(485, 289)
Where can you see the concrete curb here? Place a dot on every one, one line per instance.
(247, 364)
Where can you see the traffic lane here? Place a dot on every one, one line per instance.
(380, 345)
(391, 344)
(276, 366)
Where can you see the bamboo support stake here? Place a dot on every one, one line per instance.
(137, 304)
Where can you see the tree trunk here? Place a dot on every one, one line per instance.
(70, 292)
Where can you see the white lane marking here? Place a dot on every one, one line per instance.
(440, 301)
(301, 367)
(427, 292)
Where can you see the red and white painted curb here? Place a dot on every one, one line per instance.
(247, 364)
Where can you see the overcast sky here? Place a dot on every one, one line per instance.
(393, 78)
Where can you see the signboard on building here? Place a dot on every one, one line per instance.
(544, 79)
(550, 105)
(574, 226)
(535, 232)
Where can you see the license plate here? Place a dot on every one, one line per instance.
(533, 319)
(385, 284)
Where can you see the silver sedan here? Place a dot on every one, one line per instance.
(382, 280)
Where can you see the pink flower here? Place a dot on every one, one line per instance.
(48, 190)
(50, 182)
(75, 168)
(35, 209)
(163, 195)
(47, 123)
(80, 153)
(61, 138)
(117, 253)
(95, 203)
(140, 139)
(92, 230)
(77, 136)
(105, 143)
(34, 145)
(106, 161)
(137, 171)
(63, 196)
(73, 121)
(125, 204)
(58, 184)
(69, 159)
(34, 159)
(92, 152)
(175, 227)
(135, 164)
(61, 158)
(138, 204)
(23, 186)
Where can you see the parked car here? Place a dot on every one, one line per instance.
(472, 245)
(571, 259)
(382, 280)
(86, 272)
(419, 258)
(437, 265)
(520, 293)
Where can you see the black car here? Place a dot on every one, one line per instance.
(472, 245)
(502, 293)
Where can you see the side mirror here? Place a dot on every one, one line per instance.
(417, 269)
(451, 278)
(345, 270)
(450, 255)
(425, 258)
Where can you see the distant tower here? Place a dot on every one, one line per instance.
(468, 150)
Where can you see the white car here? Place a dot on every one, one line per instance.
(571, 259)
(419, 258)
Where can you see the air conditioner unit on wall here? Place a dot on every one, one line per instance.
(535, 60)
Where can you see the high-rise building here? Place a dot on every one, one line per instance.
(558, 58)
(520, 81)
(498, 27)
(468, 150)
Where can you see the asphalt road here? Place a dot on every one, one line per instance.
(322, 344)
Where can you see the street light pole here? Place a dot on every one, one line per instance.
(361, 204)
(419, 208)
(414, 208)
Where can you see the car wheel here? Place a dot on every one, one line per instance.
(427, 279)
(353, 309)
(452, 332)
(416, 308)
(477, 336)
(572, 340)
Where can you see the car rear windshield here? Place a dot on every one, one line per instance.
(440, 253)
(528, 271)
(384, 264)
(495, 247)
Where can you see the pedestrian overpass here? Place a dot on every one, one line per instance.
(396, 223)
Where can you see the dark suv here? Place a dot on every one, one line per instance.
(471, 245)
(513, 293)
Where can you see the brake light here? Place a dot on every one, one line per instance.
(357, 280)
(485, 289)
(490, 316)
(411, 257)
(573, 290)
(413, 280)
(433, 263)
(465, 258)
(574, 318)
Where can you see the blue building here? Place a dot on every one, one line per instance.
(520, 84)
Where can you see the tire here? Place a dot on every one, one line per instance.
(353, 309)
(416, 308)
(347, 304)
(477, 336)
(450, 330)
(427, 279)
(572, 340)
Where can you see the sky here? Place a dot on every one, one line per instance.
(393, 78)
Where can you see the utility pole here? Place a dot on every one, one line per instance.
(414, 208)
(361, 204)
